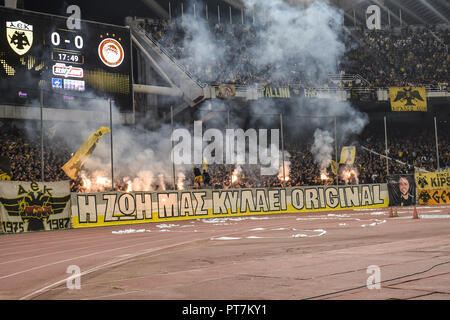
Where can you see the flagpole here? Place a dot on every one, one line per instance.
(42, 136)
(218, 13)
(282, 148)
(229, 144)
(437, 145)
(394, 160)
(335, 151)
(170, 12)
(173, 162)
(386, 147)
(112, 153)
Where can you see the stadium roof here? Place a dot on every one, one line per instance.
(412, 11)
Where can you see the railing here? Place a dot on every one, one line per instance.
(348, 78)
(141, 30)
(335, 77)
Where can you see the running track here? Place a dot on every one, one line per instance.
(289, 256)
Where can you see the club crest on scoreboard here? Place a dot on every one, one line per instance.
(111, 52)
(20, 36)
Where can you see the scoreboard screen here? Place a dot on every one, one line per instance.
(73, 68)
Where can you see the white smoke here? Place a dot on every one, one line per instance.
(283, 34)
(284, 40)
(200, 48)
(310, 34)
(322, 149)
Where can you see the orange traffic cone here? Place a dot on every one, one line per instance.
(415, 213)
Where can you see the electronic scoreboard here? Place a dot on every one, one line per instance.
(73, 68)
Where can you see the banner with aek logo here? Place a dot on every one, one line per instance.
(34, 206)
(408, 98)
(433, 187)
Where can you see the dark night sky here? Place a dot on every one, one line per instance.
(107, 11)
(115, 11)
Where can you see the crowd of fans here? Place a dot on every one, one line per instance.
(24, 154)
(405, 154)
(405, 145)
(384, 58)
(234, 64)
(406, 57)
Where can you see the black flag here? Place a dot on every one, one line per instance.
(5, 168)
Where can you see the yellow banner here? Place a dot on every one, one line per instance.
(408, 98)
(73, 166)
(433, 180)
(274, 92)
(348, 155)
(117, 208)
(433, 197)
(433, 187)
(226, 91)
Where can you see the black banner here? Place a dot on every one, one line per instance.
(402, 190)
(363, 95)
(5, 168)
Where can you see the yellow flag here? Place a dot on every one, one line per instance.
(226, 91)
(334, 167)
(408, 98)
(348, 155)
(205, 165)
(73, 166)
(4, 176)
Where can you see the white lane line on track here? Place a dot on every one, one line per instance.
(297, 235)
(426, 216)
(65, 260)
(124, 259)
(88, 240)
(50, 239)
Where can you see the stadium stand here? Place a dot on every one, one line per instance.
(389, 57)
(406, 56)
(24, 153)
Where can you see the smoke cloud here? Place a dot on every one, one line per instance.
(286, 40)
(322, 149)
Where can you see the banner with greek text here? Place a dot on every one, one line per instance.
(433, 187)
(34, 206)
(434, 196)
(433, 180)
(115, 208)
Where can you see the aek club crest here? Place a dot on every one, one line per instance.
(34, 206)
(19, 36)
(409, 96)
